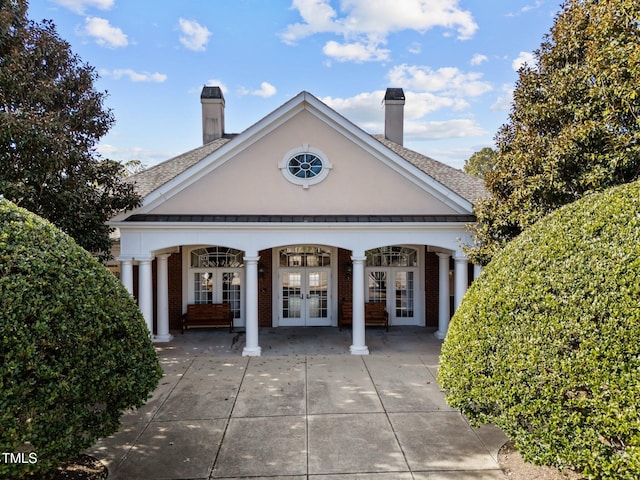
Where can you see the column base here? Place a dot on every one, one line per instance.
(162, 338)
(359, 350)
(252, 352)
(440, 335)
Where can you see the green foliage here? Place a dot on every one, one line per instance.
(75, 351)
(574, 127)
(51, 118)
(481, 162)
(545, 343)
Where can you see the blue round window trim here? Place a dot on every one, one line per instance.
(305, 165)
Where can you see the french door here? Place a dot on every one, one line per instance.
(218, 285)
(305, 297)
(396, 288)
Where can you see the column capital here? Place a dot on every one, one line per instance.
(460, 258)
(443, 255)
(251, 258)
(124, 259)
(358, 259)
(163, 256)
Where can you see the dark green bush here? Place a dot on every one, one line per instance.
(546, 343)
(74, 349)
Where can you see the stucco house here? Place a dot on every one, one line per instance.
(294, 216)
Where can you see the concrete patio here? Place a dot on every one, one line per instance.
(305, 409)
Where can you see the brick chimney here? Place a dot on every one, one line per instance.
(212, 114)
(394, 115)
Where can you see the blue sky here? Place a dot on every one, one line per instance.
(455, 59)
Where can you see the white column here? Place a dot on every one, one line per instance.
(357, 327)
(477, 270)
(126, 274)
(163, 299)
(145, 292)
(251, 348)
(444, 294)
(461, 280)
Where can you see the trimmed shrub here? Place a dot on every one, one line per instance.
(75, 351)
(546, 343)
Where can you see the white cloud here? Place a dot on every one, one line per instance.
(79, 6)
(526, 8)
(266, 90)
(194, 36)
(214, 82)
(415, 48)
(438, 130)
(364, 109)
(135, 76)
(478, 59)
(318, 16)
(447, 80)
(364, 24)
(125, 154)
(504, 100)
(355, 52)
(104, 33)
(524, 57)
(367, 111)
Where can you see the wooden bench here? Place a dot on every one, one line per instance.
(375, 314)
(208, 315)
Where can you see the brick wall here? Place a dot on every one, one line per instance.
(345, 284)
(175, 289)
(431, 288)
(265, 289)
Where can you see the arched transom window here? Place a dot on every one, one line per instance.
(392, 256)
(305, 256)
(212, 257)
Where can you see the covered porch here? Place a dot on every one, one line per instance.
(268, 262)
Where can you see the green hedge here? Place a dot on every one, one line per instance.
(74, 347)
(546, 343)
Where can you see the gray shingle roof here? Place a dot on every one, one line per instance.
(468, 187)
(154, 177)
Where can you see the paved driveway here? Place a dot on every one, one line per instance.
(306, 409)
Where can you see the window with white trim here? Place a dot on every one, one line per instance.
(305, 166)
(216, 276)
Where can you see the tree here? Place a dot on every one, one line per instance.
(545, 342)
(51, 119)
(574, 126)
(76, 352)
(133, 166)
(481, 162)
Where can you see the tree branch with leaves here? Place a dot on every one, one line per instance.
(51, 119)
(574, 124)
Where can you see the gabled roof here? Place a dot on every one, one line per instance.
(466, 187)
(154, 177)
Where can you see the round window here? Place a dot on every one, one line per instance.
(305, 166)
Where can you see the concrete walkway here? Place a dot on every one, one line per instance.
(306, 409)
